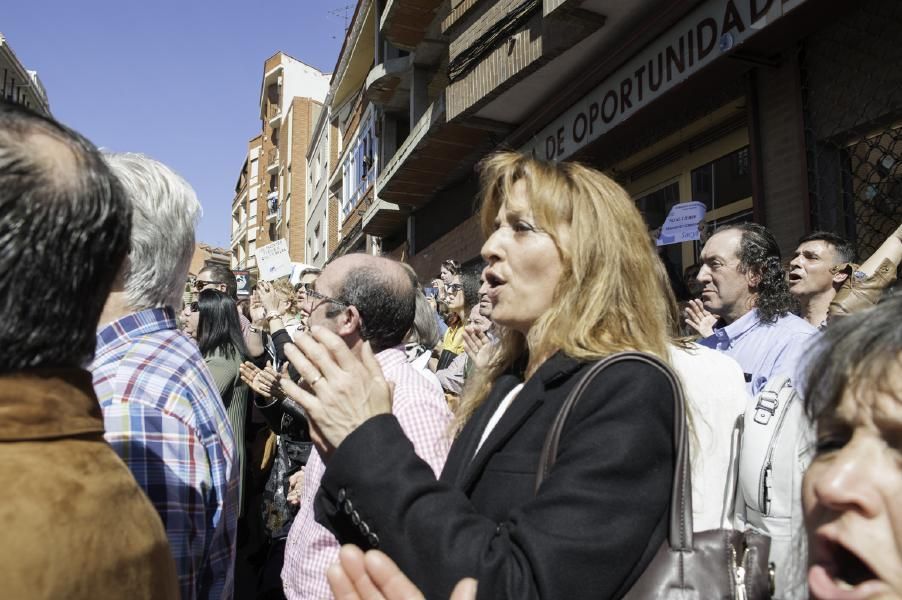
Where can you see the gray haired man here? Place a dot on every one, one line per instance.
(161, 408)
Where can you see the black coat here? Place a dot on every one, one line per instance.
(590, 530)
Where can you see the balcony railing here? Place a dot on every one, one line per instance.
(272, 159)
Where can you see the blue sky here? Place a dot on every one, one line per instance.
(179, 81)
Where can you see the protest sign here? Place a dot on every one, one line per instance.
(273, 260)
(682, 223)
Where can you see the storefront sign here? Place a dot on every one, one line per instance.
(682, 223)
(273, 260)
(714, 28)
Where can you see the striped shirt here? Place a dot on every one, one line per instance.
(420, 407)
(164, 417)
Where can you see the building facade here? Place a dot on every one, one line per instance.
(245, 208)
(18, 84)
(322, 202)
(291, 97)
(785, 112)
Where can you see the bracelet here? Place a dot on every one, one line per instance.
(273, 315)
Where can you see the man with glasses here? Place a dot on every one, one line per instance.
(363, 298)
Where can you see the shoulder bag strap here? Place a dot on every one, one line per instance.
(680, 530)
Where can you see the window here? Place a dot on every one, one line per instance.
(717, 173)
(359, 165)
(255, 168)
(723, 181)
(655, 207)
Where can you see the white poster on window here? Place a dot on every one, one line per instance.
(273, 260)
(683, 223)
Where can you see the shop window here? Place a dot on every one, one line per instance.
(716, 173)
(654, 208)
(723, 181)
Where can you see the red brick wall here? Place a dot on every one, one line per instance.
(462, 244)
(302, 122)
(332, 225)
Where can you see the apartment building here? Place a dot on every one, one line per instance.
(18, 84)
(291, 97)
(787, 113)
(322, 203)
(245, 208)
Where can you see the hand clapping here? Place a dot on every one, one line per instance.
(339, 391)
(699, 319)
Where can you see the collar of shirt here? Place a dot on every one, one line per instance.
(737, 329)
(135, 325)
(42, 404)
(391, 357)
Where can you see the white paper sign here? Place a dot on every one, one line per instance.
(682, 224)
(273, 260)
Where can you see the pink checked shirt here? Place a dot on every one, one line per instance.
(420, 407)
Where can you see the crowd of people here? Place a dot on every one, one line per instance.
(366, 432)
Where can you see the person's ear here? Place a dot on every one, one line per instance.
(840, 277)
(349, 321)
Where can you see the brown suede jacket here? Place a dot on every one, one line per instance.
(74, 522)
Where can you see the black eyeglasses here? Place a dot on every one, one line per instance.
(200, 284)
(312, 293)
(453, 288)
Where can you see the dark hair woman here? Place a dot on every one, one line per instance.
(215, 326)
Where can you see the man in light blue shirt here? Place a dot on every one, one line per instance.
(744, 285)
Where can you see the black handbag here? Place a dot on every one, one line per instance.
(720, 563)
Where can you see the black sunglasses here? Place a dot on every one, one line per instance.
(200, 284)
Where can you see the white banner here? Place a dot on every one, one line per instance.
(273, 260)
(682, 223)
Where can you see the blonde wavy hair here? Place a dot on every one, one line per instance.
(608, 298)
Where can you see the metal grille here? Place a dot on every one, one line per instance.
(852, 103)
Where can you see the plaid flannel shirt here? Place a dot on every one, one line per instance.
(163, 415)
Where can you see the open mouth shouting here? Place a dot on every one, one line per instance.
(839, 573)
(494, 282)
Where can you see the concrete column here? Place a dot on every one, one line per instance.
(389, 138)
(419, 96)
(377, 52)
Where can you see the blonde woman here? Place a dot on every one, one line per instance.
(571, 280)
